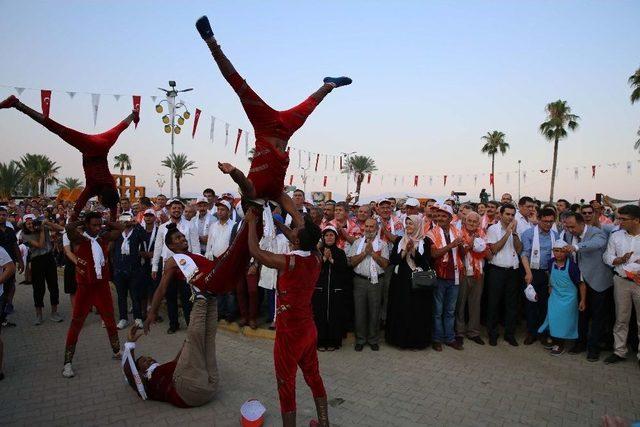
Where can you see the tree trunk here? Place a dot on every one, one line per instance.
(553, 169)
(359, 179)
(177, 187)
(493, 176)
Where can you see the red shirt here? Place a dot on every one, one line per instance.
(268, 170)
(295, 290)
(161, 387)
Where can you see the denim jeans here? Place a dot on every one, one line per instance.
(444, 310)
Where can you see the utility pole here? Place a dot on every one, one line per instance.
(519, 162)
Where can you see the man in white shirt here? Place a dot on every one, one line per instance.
(526, 207)
(202, 221)
(7, 270)
(503, 278)
(161, 253)
(623, 254)
(219, 231)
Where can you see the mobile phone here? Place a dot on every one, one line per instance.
(599, 197)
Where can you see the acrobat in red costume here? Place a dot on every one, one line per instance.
(272, 128)
(296, 333)
(94, 149)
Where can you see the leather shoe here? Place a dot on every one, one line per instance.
(493, 341)
(359, 347)
(613, 358)
(512, 341)
(577, 348)
(375, 347)
(530, 339)
(436, 346)
(477, 340)
(592, 356)
(455, 344)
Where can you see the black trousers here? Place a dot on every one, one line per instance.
(536, 312)
(598, 311)
(502, 285)
(128, 283)
(44, 269)
(175, 288)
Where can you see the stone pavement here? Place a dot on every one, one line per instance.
(478, 386)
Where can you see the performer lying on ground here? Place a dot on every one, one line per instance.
(92, 277)
(94, 149)
(296, 334)
(191, 379)
(272, 129)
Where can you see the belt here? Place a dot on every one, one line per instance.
(502, 268)
(367, 277)
(540, 269)
(624, 278)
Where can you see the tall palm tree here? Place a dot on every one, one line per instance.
(495, 143)
(70, 184)
(180, 166)
(634, 81)
(359, 166)
(10, 178)
(122, 162)
(39, 172)
(559, 117)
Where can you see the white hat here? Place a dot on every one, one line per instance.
(32, 217)
(443, 207)
(252, 413)
(201, 199)
(125, 217)
(479, 245)
(384, 200)
(172, 201)
(559, 244)
(149, 212)
(530, 293)
(224, 203)
(330, 228)
(413, 202)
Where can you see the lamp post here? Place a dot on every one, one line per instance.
(348, 169)
(172, 117)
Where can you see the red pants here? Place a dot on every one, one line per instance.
(293, 348)
(94, 149)
(247, 294)
(89, 295)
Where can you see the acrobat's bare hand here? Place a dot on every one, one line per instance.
(151, 318)
(226, 168)
(134, 334)
(251, 216)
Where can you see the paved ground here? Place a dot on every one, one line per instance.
(478, 386)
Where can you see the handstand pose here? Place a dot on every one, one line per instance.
(94, 149)
(272, 128)
(296, 334)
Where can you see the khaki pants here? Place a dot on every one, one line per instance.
(367, 296)
(196, 374)
(469, 296)
(625, 294)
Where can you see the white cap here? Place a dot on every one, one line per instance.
(385, 200)
(201, 199)
(530, 293)
(412, 202)
(479, 245)
(252, 412)
(125, 217)
(330, 228)
(444, 208)
(559, 244)
(149, 212)
(172, 201)
(32, 217)
(224, 203)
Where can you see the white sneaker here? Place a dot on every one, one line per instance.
(38, 321)
(67, 371)
(55, 317)
(123, 324)
(139, 324)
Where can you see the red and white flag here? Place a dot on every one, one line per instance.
(195, 123)
(445, 180)
(45, 97)
(317, 160)
(237, 141)
(136, 105)
(324, 181)
(415, 181)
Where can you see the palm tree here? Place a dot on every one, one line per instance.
(637, 144)
(70, 184)
(494, 143)
(180, 166)
(634, 81)
(122, 162)
(10, 178)
(39, 172)
(558, 116)
(359, 166)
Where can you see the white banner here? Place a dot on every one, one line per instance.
(95, 101)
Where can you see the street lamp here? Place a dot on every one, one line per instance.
(173, 116)
(348, 168)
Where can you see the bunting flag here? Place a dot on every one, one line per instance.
(226, 134)
(395, 180)
(19, 90)
(445, 181)
(246, 144)
(475, 180)
(237, 141)
(508, 177)
(491, 180)
(71, 94)
(575, 173)
(117, 97)
(629, 168)
(524, 177)
(291, 180)
(196, 118)
(45, 98)
(593, 171)
(459, 179)
(308, 159)
(95, 102)
(334, 162)
(340, 162)
(430, 180)
(213, 128)
(136, 106)
(153, 99)
(415, 181)
(324, 181)
(369, 179)
(381, 179)
(325, 162)
(299, 159)
(544, 170)
(317, 160)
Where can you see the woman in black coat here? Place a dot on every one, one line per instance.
(329, 296)
(409, 315)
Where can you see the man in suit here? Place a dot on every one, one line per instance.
(587, 244)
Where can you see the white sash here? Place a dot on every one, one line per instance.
(124, 248)
(302, 254)
(373, 271)
(97, 254)
(186, 265)
(535, 247)
(126, 357)
(151, 239)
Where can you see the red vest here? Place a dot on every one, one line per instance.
(85, 271)
(268, 170)
(295, 290)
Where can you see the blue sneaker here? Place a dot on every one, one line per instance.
(204, 27)
(338, 81)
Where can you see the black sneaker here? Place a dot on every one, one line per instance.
(512, 341)
(613, 358)
(592, 356)
(204, 27)
(358, 347)
(578, 348)
(493, 341)
(375, 347)
(172, 330)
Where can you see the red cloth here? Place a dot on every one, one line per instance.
(269, 165)
(161, 387)
(247, 294)
(85, 270)
(296, 334)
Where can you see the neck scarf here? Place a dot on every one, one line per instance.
(475, 258)
(535, 247)
(302, 254)
(124, 248)
(440, 242)
(373, 271)
(417, 237)
(152, 238)
(128, 358)
(97, 254)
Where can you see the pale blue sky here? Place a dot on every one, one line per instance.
(430, 78)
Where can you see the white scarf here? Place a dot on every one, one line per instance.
(302, 254)
(535, 247)
(151, 239)
(127, 357)
(373, 271)
(97, 254)
(124, 248)
(150, 370)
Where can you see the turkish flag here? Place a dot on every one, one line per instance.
(415, 181)
(317, 160)
(136, 106)
(490, 179)
(195, 124)
(369, 179)
(324, 181)
(291, 180)
(45, 97)
(445, 180)
(340, 162)
(593, 171)
(237, 141)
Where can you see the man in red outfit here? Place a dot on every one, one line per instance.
(94, 149)
(92, 277)
(296, 334)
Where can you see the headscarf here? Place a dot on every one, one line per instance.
(417, 237)
(333, 248)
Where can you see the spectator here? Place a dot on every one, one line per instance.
(590, 218)
(202, 221)
(125, 206)
(7, 271)
(329, 208)
(506, 198)
(481, 208)
(390, 229)
(277, 244)
(369, 257)
(412, 206)
(491, 215)
(9, 242)
(526, 209)
(161, 208)
(345, 227)
(210, 196)
(329, 302)
(410, 316)
(599, 212)
(69, 275)
(147, 284)
(189, 212)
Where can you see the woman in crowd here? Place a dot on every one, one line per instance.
(409, 318)
(329, 297)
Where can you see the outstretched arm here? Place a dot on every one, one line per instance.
(265, 258)
(285, 230)
(246, 187)
(170, 269)
(287, 204)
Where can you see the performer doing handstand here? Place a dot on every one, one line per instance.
(94, 149)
